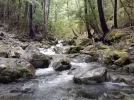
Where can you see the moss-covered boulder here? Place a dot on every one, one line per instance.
(115, 35)
(73, 49)
(102, 46)
(116, 57)
(62, 65)
(85, 42)
(88, 48)
(40, 61)
(15, 69)
(36, 58)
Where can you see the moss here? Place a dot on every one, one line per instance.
(122, 61)
(132, 40)
(41, 57)
(8, 65)
(94, 55)
(115, 35)
(25, 73)
(116, 57)
(73, 49)
(44, 57)
(18, 65)
(85, 42)
(102, 46)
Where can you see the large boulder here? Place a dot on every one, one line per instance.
(12, 69)
(40, 61)
(119, 58)
(62, 65)
(115, 35)
(37, 59)
(98, 74)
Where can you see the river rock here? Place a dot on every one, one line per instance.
(129, 68)
(38, 60)
(73, 49)
(85, 42)
(62, 65)
(4, 51)
(16, 52)
(12, 69)
(94, 75)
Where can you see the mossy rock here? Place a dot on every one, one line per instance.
(129, 68)
(94, 55)
(40, 57)
(102, 46)
(115, 35)
(85, 42)
(73, 49)
(40, 61)
(116, 57)
(89, 48)
(25, 73)
(15, 69)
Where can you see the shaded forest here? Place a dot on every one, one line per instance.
(65, 18)
(66, 49)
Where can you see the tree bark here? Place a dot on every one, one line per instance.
(86, 20)
(115, 14)
(31, 32)
(45, 17)
(49, 3)
(102, 19)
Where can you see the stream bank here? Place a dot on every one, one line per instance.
(48, 84)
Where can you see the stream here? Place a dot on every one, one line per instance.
(51, 85)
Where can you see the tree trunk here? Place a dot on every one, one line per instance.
(115, 14)
(25, 23)
(45, 17)
(19, 9)
(31, 33)
(86, 20)
(49, 3)
(102, 19)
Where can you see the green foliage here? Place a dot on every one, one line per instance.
(66, 17)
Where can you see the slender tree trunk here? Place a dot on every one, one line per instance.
(19, 9)
(96, 28)
(49, 3)
(45, 17)
(102, 19)
(26, 16)
(31, 33)
(8, 10)
(115, 14)
(86, 20)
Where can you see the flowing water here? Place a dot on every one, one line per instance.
(51, 85)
